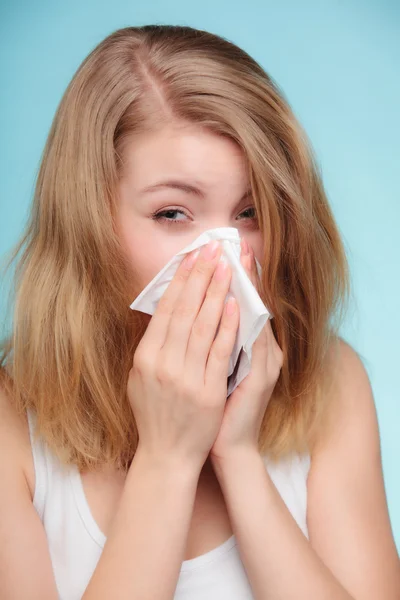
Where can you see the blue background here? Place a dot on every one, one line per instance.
(338, 64)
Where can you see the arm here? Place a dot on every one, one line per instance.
(351, 553)
(25, 566)
(144, 551)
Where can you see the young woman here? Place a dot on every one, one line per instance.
(126, 472)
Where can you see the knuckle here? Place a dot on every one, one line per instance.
(202, 268)
(165, 374)
(165, 306)
(141, 361)
(185, 310)
(221, 351)
(203, 328)
(182, 275)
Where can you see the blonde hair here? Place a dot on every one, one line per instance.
(74, 336)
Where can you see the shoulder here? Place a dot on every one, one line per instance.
(25, 561)
(15, 445)
(347, 512)
(350, 406)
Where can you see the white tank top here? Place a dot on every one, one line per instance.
(76, 542)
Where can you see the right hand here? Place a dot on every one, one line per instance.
(177, 386)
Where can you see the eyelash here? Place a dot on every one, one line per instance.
(160, 218)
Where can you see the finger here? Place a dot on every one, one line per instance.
(276, 349)
(218, 360)
(188, 305)
(206, 325)
(158, 326)
(248, 262)
(266, 350)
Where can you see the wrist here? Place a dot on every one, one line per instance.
(169, 464)
(235, 459)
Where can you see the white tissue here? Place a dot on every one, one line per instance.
(253, 313)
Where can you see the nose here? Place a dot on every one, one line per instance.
(224, 228)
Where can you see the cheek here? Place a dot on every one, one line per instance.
(256, 243)
(147, 254)
(145, 258)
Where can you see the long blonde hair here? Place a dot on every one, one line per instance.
(73, 338)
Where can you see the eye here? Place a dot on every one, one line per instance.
(167, 216)
(251, 208)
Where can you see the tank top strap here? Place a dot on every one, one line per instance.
(40, 464)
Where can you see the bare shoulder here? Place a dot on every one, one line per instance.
(350, 401)
(15, 446)
(347, 511)
(25, 563)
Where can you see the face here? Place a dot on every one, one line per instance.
(178, 183)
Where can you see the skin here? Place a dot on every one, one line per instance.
(190, 155)
(350, 554)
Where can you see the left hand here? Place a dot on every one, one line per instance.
(246, 406)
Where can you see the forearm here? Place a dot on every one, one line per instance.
(144, 551)
(278, 558)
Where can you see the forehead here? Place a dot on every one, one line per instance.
(204, 157)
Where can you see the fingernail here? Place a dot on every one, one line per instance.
(210, 250)
(231, 306)
(191, 259)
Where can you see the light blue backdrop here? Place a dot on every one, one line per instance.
(338, 64)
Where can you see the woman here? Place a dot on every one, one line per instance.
(126, 472)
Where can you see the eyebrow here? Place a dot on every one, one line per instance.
(184, 187)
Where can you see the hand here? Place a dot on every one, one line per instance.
(246, 406)
(177, 386)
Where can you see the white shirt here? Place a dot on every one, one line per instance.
(76, 542)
